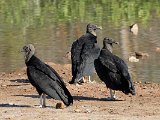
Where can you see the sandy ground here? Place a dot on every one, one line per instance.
(19, 100)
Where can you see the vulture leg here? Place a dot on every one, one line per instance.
(42, 100)
(112, 95)
(89, 79)
(80, 81)
(83, 79)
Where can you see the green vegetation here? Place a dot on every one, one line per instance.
(52, 25)
(24, 13)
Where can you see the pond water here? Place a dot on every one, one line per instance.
(53, 25)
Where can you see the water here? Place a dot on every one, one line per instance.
(53, 25)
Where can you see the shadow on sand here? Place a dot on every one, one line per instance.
(20, 81)
(32, 96)
(74, 98)
(92, 98)
(13, 105)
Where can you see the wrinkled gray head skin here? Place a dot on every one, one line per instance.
(108, 42)
(29, 51)
(91, 28)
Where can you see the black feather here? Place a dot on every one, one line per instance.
(46, 80)
(113, 71)
(83, 53)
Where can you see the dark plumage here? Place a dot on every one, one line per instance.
(112, 70)
(83, 53)
(44, 78)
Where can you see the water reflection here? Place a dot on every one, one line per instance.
(52, 26)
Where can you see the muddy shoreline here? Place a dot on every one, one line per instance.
(19, 100)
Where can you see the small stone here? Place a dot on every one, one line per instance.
(134, 28)
(145, 87)
(133, 59)
(5, 111)
(157, 49)
(88, 111)
(11, 103)
(147, 82)
(77, 110)
(59, 106)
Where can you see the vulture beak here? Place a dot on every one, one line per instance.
(116, 42)
(99, 27)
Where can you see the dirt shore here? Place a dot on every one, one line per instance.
(19, 100)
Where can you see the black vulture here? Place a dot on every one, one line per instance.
(113, 71)
(83, 53)
(44, 78)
